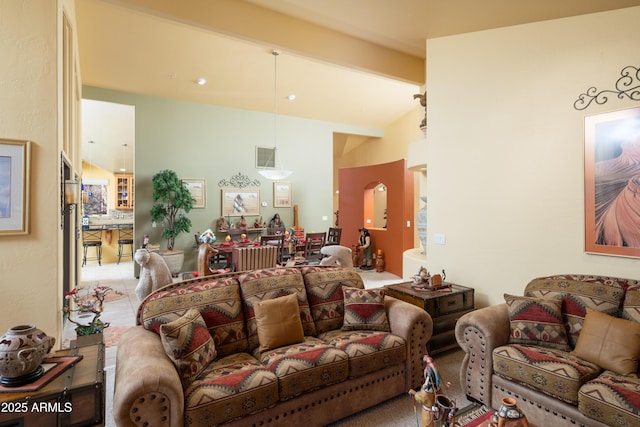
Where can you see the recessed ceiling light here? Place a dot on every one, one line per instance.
(291, 97)
(201, 81)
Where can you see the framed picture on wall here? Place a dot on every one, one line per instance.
(612, 183)
(198, 190)
(240, 202)
(281, 194)
(15, 159)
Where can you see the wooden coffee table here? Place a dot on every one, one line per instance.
(445, 306)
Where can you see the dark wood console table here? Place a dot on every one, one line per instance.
(75, 398)
(444, 306)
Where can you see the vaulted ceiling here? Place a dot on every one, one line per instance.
(357, 62)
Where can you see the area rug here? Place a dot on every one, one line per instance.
(112, 335)
(475, 416)
(112, 296)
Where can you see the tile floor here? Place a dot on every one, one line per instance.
(122, 312)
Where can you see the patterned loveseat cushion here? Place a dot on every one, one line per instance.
(324, 291)
(305, 366)
(631, 307)
(220, 305)
(611, 399)
(368, 351)
(553, 372)
(229, 388)
(579, 292)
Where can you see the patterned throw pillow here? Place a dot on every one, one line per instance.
(278, 322)
(189, 345)
(364, 310)
(609, 342)
(537, 321)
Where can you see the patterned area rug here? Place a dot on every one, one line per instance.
(112, 335)
(473, 416)
(112, 296)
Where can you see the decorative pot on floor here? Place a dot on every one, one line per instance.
(174, 260)
(509, 415)
(22, 349)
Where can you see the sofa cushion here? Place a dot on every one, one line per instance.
(536, 321)
(324, 290)
(369, 351)
(260, 285)
(553, 372)
(631, 307)
(364, 310)
(278, 322)
(579, 292)
(611, 399)
(609, 342)
(188, 344)
(305, 366)
(218, 301)
(229, 388)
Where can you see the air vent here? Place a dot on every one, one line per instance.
(265, 158)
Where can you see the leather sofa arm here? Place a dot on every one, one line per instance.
(416, 327)
(478, 333)
(148, 391)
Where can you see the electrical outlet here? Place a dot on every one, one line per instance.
(439, 239)
(325, 218)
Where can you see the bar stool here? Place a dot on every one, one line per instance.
(92, 237)
(125, 237)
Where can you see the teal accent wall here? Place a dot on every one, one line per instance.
(214, 143)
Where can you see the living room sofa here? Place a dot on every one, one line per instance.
(345, 349)
(567, 351)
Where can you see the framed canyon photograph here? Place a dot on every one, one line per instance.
(14, 186)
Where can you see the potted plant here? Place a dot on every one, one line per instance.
(88, 304)
(172, 200)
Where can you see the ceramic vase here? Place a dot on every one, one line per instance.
(509, 415)
(379, 263)
(22, 349)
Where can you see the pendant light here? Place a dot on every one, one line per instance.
(275, 174)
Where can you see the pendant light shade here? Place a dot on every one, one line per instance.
(275, 173)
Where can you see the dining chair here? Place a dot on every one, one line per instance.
(274, 240)
(334, 235)
(312, 246)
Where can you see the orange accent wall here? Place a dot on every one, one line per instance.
(397, 237)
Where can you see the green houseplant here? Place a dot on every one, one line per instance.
(171, 202)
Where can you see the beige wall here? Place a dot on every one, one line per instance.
(31, 105)
(505, 148)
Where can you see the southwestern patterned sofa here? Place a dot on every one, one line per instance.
(281, 346)
(567, 350)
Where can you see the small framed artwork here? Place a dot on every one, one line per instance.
(15, 159)
(612, 183)
(198, 190)
(240, 202)
(281, 194)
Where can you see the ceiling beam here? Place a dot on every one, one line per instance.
(259, 25)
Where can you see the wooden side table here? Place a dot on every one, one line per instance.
(75, 398)
(444, 306)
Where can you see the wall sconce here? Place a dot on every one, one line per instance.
(71, 193)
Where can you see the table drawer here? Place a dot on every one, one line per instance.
(449, 304)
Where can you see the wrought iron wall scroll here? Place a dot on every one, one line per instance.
(628, 85)
(239, 181)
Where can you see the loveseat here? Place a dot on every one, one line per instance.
(282, 346)
(567, 351)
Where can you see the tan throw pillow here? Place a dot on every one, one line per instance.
(364, 310)
(537, 321)
(278, 321)
(609, 342)
(189, 345)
